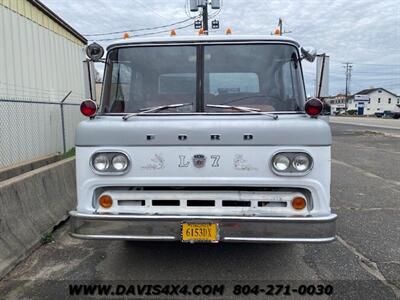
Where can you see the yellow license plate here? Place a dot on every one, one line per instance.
(199, 232)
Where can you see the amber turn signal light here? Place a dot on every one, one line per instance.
(299, 203)
(105, 201)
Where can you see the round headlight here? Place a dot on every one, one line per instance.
(101, 162)
(120, 162)
(281, 162)
(301, 163)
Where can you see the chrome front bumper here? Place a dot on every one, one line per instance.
(231, 228)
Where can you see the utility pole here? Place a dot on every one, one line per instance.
(205, 18)
(203, 4)
(348, 66)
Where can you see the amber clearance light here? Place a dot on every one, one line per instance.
(105, 201)
(299, 203)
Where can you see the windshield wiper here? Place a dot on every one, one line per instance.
(240, 108)
(244, 109)
(155, 109)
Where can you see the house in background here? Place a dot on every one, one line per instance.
(371, 101)
(337, 103)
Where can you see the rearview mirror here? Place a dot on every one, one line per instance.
(309, 53)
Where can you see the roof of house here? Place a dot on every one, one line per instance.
(369, 91)
(47, 11)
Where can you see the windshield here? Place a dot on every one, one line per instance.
(261, 76)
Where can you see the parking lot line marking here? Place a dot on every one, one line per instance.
(367, 209)
(370, 266)
(393, 184)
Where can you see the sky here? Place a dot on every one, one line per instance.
(363, 32)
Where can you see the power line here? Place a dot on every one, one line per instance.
(150, 8)
(147, 34)
(366, 64)
(141, 29)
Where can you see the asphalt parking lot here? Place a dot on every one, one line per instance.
(364, 263)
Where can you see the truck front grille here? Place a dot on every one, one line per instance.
(195, 202)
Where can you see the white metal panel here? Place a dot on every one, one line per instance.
(160, 166)
(10, 80)
(36, 64)
(3, 58)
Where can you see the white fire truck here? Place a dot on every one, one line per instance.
(204, 139)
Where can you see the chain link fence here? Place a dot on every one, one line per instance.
(30, 128)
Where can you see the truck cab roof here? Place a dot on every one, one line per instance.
(203, 39)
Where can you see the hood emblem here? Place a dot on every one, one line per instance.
(199, 160)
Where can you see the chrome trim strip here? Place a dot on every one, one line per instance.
(227, 239)
(105, 217)
(122, 237)
(279, 112)
(280, 240)
(202, 42)
(200, 145)
(232, 229)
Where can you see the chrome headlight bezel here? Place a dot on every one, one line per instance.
(291, 170)
(110, 170)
